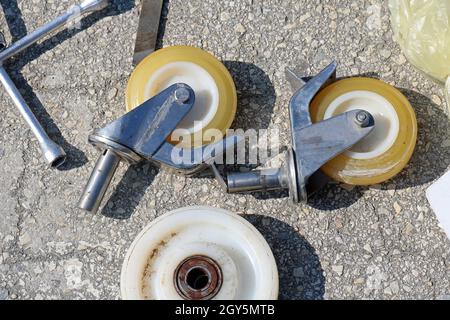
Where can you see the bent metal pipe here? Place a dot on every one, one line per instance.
(53, 153)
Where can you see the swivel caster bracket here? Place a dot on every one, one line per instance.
(141, 135)
(313, 145)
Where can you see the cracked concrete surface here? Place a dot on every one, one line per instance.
(346, 243)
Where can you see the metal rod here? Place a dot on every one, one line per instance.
(53, 153)
(99, 181)
(257, 180)
(74, 12)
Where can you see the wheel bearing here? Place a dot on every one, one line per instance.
(198, 278)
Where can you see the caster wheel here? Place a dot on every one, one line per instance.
(388, 148)
(199, 253)
(215, 92)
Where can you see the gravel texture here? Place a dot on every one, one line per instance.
(381, 242)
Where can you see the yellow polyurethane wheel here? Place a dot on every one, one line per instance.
(388, 148)
(215, 92)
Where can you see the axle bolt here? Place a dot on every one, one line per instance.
(363, 118)
(182, 95)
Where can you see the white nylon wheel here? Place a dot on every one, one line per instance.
(199, 253)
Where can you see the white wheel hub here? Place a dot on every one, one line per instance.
(203, 84)
(386, 130)
(199, 253)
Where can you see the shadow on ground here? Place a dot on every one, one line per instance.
(162, 24)
(256, 101)
(430, 159)
(300, 271)
(129, 191)
(255, 95)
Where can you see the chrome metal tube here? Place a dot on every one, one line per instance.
(72, 13)
(256, 180)
(99, 181)
(53, 153)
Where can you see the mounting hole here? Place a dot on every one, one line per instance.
(58, 162)
(197, 278)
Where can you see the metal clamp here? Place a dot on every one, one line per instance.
(313, 145)
(52, 152)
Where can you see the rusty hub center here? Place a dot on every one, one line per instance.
(198, 278)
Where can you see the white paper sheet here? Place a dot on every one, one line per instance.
(439, 197)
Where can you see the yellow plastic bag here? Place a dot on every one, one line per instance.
(422, 28)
